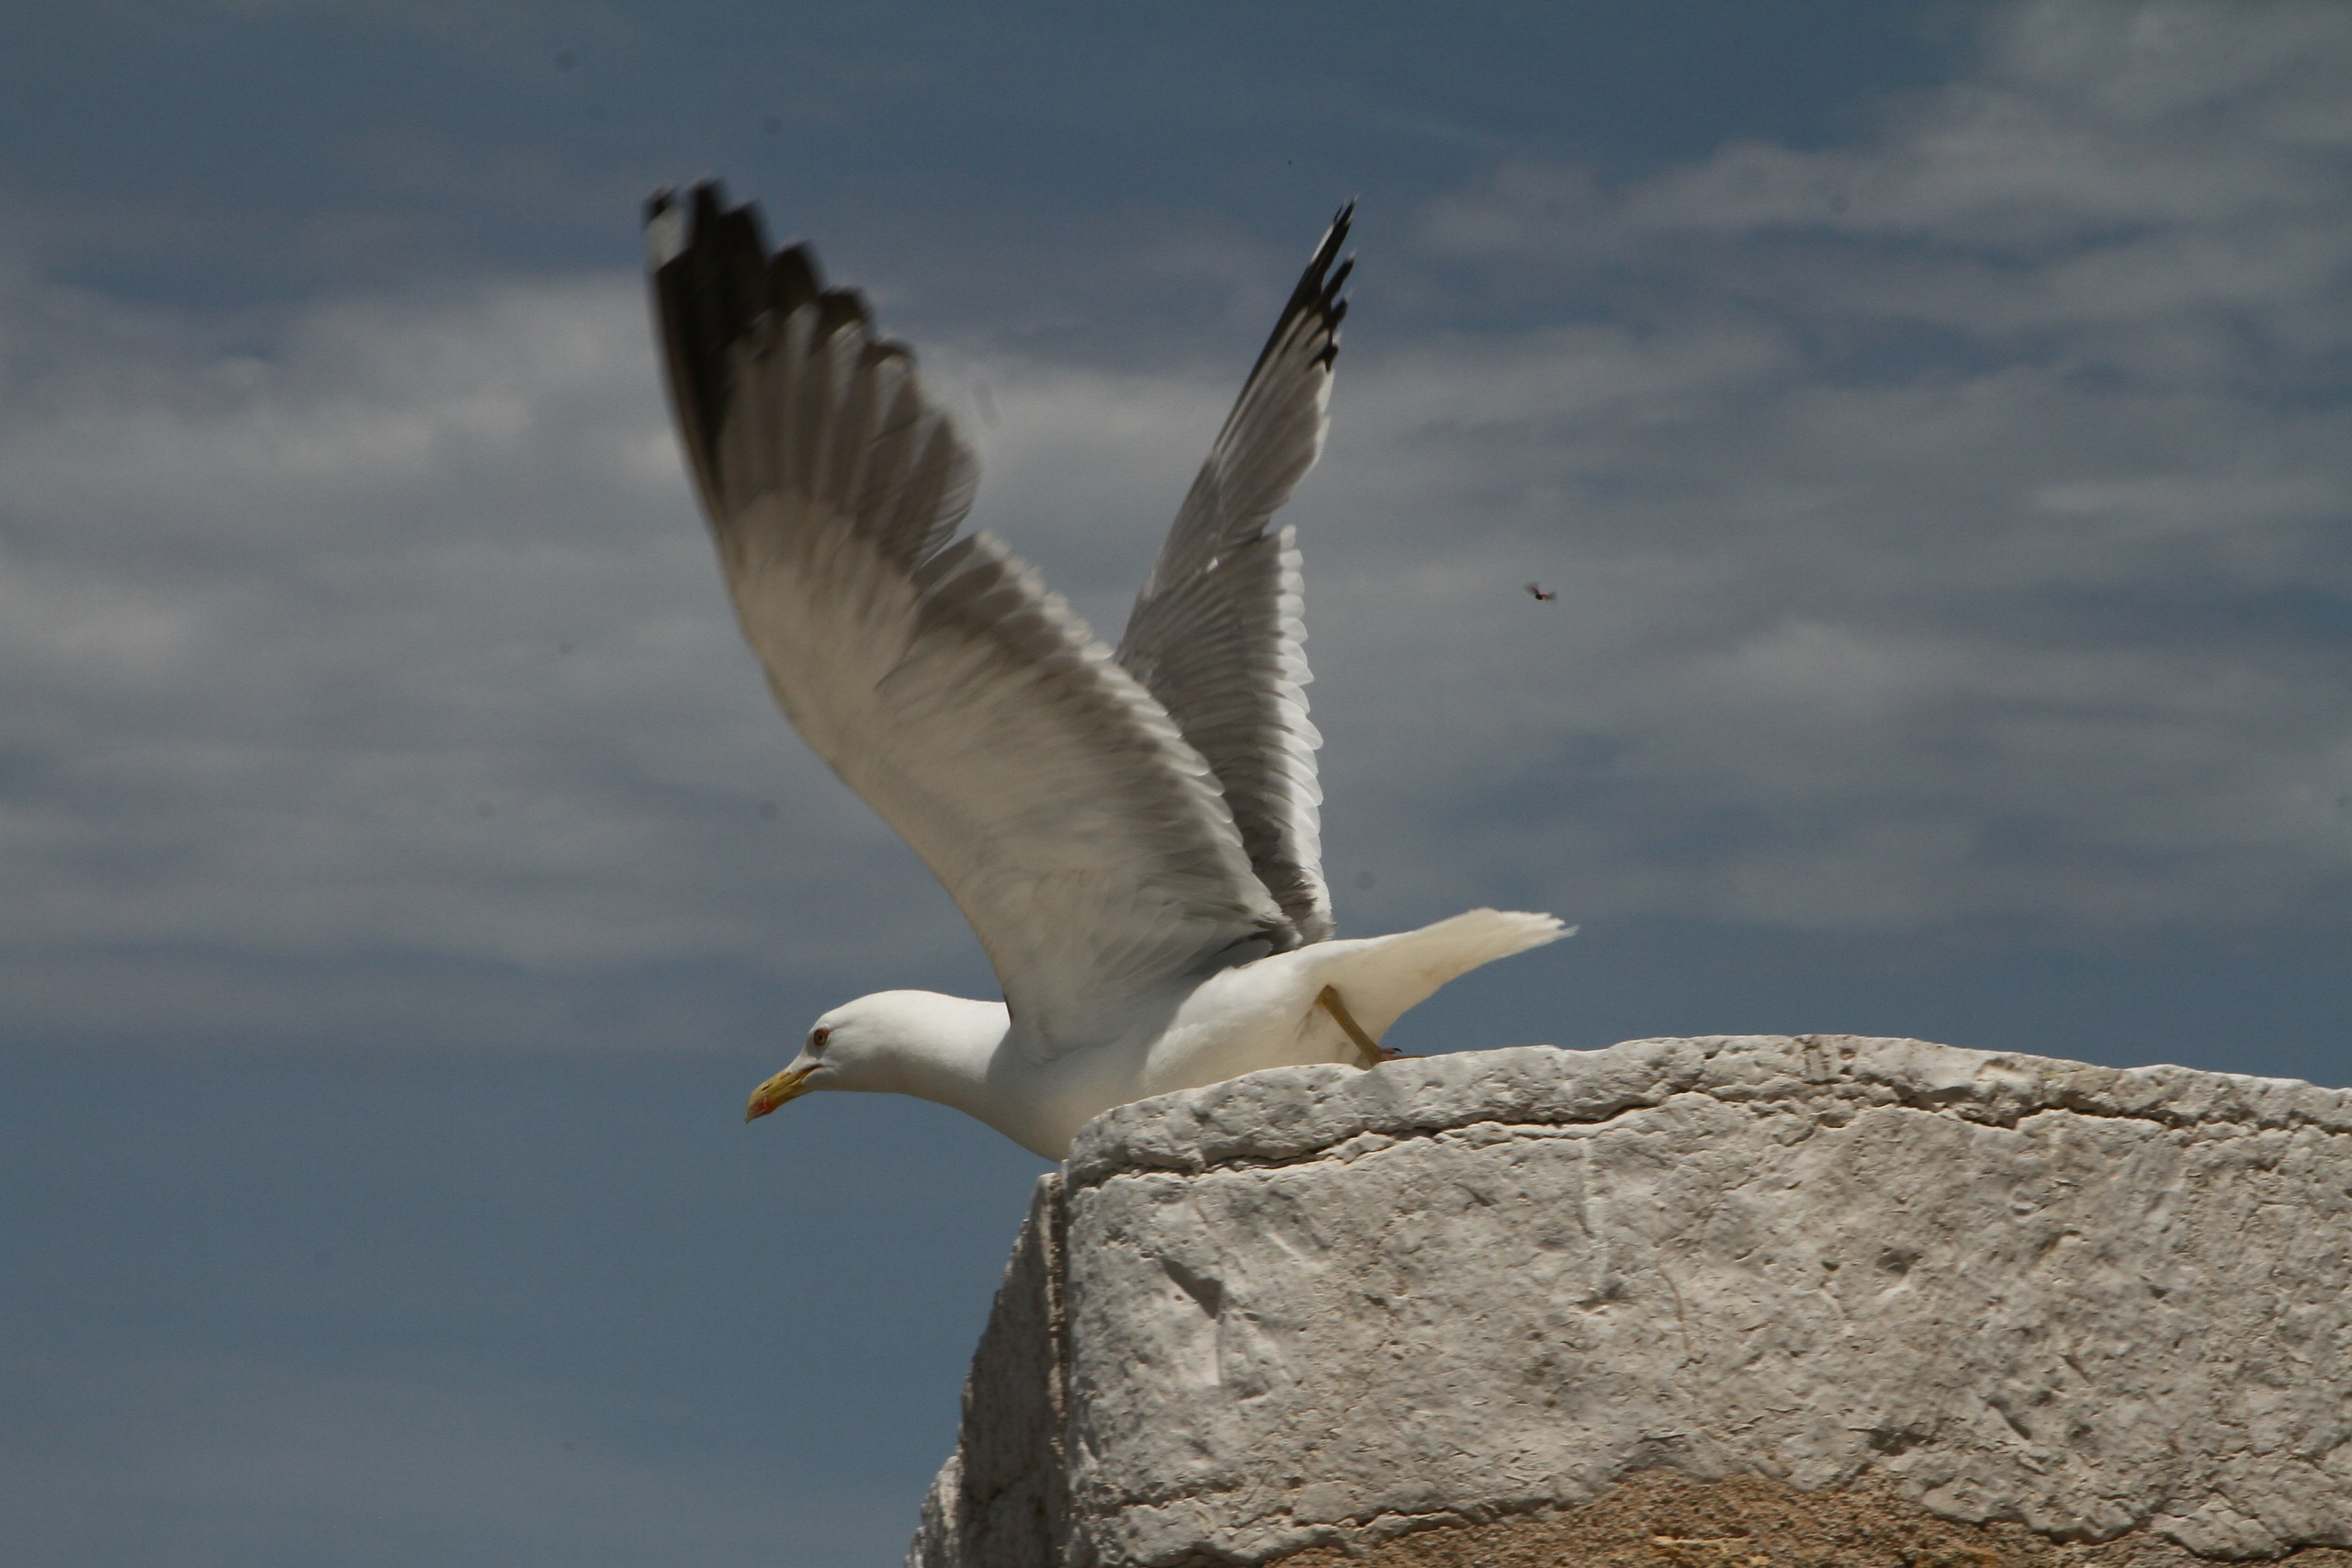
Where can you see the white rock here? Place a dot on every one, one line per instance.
(1313, 1304)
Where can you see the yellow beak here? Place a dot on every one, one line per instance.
(789, 1084)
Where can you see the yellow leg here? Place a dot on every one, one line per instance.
(1373, 1053)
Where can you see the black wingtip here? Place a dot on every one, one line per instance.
(716, 284)
(665, 232)
(1327, 250)
(1319, 293)
(710, 202)
(709, 266)
(794, 279)
(839, 308)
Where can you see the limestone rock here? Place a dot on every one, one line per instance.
(1317, 1308)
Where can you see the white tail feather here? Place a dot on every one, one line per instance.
(1384, 977)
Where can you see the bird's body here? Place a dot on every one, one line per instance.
(1134, 836)
(975, 1058)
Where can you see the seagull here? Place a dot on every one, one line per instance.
(1134, 835)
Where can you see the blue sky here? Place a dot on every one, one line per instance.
(1933, 419)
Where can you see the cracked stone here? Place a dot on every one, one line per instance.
(1323, 1311)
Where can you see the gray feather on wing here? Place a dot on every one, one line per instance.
(1217, 632)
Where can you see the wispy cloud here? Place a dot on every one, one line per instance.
(386, 629)
(1993, 562)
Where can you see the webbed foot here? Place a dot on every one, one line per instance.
(1373, 1052)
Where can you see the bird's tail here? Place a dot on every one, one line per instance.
(1383, 977)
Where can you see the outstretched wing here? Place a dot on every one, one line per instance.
(1073, 825)
(1217, 632)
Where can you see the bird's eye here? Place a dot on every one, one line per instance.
(817, 1038)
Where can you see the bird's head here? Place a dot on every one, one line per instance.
(876, 1043)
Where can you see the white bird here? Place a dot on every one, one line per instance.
(1134, 836)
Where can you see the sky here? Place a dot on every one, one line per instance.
(1934, 421)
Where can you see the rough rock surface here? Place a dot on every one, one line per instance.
(1321, 1310)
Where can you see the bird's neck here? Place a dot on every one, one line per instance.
(947, 1059)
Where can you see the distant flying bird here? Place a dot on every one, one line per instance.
(1134, 836)
(1540, 596)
